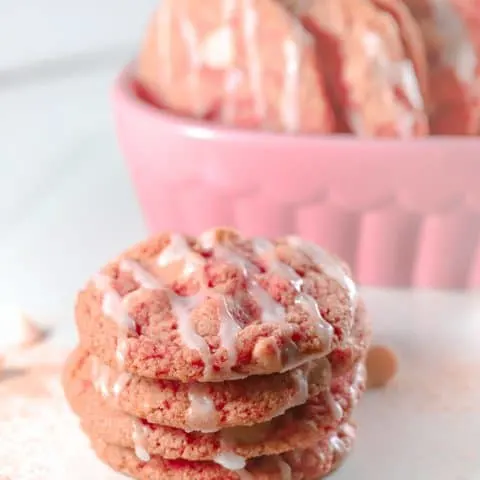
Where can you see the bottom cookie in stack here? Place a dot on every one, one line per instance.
(311, 463)
(306, 436)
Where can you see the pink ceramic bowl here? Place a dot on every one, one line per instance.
(400, 212)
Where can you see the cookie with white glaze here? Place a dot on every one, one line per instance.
(217, 307)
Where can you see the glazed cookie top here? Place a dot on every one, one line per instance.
(217, 307)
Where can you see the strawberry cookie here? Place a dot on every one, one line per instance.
(253, 400)
(299, 427)
(245, 63)
(220, 357)
(451, 31)
(300, 464)
(373, 58)
(218, 307)
(256, 399)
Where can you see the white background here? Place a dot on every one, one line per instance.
(36, 30)
(58, 59)
(57, 62)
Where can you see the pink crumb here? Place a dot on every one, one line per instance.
(33, 334)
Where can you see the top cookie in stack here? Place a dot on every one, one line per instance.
(219, 357)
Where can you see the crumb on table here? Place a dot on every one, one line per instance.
(382, 365)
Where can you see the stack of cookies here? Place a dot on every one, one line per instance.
(219, 358)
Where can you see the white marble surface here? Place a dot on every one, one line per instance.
(66, 206)
(426, 425)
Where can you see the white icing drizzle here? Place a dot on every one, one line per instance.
(266, 249)
(358, 382)
(285, 469)
(356, 122)
(250, 27)
(406, 78)
(295, 360)
(291, 88)
(329, 264)
(207, 240)
(140, 275)
(337, 446)
(121, 351)
(459, 52)
(301, 383)
(347, 430)
(121, 383)
(217, 49)
(320, 454)
(114, 307)
(202, 415)
(191, 41)
(139, 441)
(300, 378)
(100, 377)
(399, 73)
(229, 328)
(178, 250)
(334, 407)
(181, 306)
(272, 311)
(230, 461)
(409, 82)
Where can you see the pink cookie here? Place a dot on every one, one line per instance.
(299, 427)
(253, 400)
(451, 30)
(245, 402)
(249, 64)
(372, 55)
(300, 464)
(216, 308)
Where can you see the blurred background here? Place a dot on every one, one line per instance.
(57, 63)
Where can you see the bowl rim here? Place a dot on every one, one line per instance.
(204, 130)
